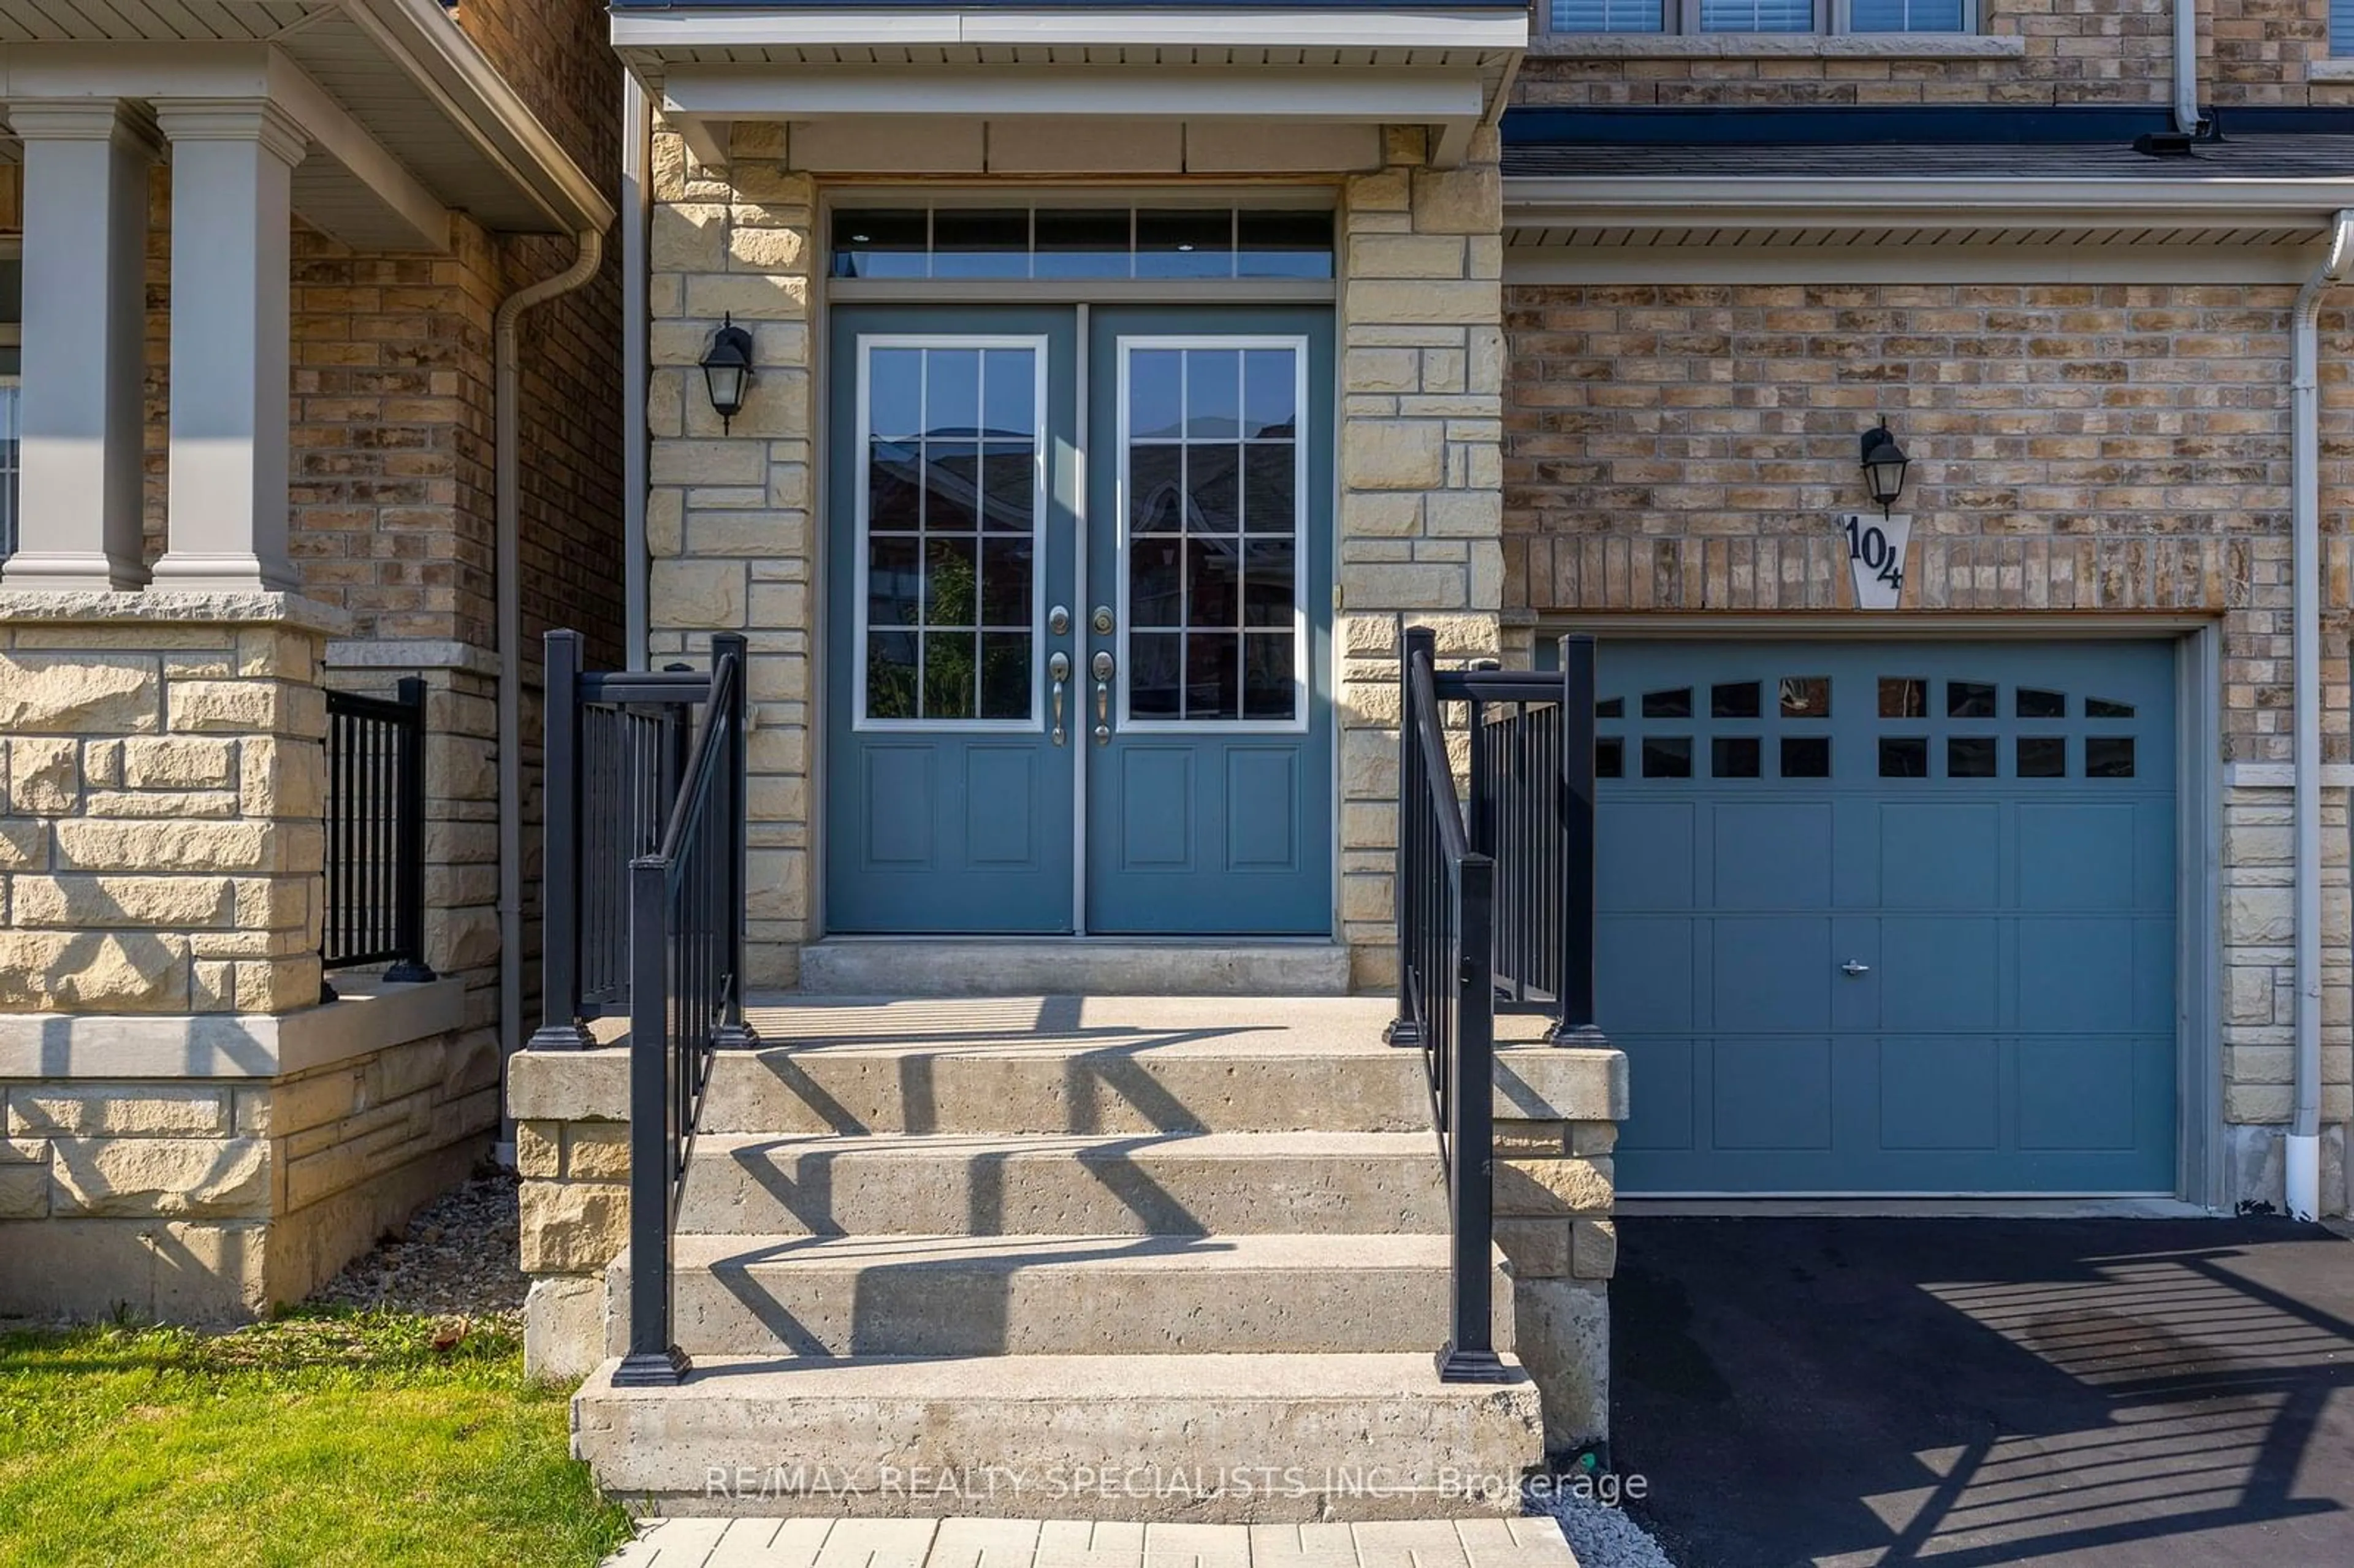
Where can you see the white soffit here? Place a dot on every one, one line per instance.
(1831, 207)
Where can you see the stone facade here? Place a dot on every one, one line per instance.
(209, 1174)
(165, 784)
(2080, 447)
(2027, 53)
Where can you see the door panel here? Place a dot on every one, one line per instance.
(1883, 917)
(949, 535)
(1210, 546)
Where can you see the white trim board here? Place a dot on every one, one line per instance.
(1618, 201)
(1454, 31)
(2099, 263)
(1021, 92)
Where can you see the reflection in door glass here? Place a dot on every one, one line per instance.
(949, 513)
(1211, 487)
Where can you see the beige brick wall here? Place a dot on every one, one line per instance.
(2069, 52)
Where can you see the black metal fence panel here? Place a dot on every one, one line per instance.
(375, 832)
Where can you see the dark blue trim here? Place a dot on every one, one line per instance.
(1959, 125)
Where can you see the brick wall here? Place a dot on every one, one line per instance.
(2067, 52)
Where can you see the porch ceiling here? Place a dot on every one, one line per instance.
(406, 119)
(1449, 67)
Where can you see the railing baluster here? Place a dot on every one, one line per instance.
(1576, 1022)
(375, 835)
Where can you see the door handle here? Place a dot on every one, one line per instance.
(1059, 667)
(1101, 667)
(1852, 969)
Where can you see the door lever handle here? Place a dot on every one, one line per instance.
(1852, 969)
(1059, 667)
(1101, 667)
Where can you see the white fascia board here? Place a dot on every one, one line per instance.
(1607, 202)
(1477, 31)
(825, 92)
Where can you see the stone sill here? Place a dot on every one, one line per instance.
(1780, 46)
(2330, 71)
(49, 606)
(370, 1015)
(2283, 775)
(409, 653)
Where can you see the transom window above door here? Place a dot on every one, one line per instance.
(1779, 17)
(1173, 243)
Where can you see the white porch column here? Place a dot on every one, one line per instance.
(86, 165)
(232, 162)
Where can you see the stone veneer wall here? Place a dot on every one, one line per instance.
(2078, 447)
(162, 845)
(2027, 53)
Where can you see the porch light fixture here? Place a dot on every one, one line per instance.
(1883, 467)
(728, 370)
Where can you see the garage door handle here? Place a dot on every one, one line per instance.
(1852, 969)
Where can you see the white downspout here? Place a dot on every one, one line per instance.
(2186, 67)
(637, 212)
(506, 440)
(2302, 1163)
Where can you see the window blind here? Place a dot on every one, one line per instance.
(1617, 15)
(1756, 15)
(1919, 16)
(2341, 28)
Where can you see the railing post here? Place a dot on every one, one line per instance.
(560, 902)
(1575, 1025)
(1469, 1355)
(1402, 1030)
(733, 1033)
(654, 1359)
(408, 808)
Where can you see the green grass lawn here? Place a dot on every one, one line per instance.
(314, 1440)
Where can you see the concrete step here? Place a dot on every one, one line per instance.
(1214, 1438)
(1031, 1296)
(1000, 965)
(980, 1184)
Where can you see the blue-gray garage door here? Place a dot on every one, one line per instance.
(1891, 917)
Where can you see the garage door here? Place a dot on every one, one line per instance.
(1881, 918)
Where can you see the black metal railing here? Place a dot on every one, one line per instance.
(1445, 893)
(617, 745)
(685, 933)
(1495, 911)
(1532, 810)
(375, 833)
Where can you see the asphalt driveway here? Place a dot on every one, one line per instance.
(2102, 1394)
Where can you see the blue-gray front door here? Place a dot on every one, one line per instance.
(1078, 660)
(1891, 917)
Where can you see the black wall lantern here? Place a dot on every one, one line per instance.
(728, 370)
(1883, 466)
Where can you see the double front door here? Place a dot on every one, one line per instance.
(1079, 652)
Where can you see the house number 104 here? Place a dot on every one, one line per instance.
(1869, 543)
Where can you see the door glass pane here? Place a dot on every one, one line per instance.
(1212, 615)
(1186, 242)
(981, 242)
(950, 534)
(1082, 242)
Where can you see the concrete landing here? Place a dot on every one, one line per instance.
(1002, 966)
(1079, 1544)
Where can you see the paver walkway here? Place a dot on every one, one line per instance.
(1067, 1544)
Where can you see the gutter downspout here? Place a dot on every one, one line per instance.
(2303, 1161)
(637, 215)
(507, 396)
(2186, 67)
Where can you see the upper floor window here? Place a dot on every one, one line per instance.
(1768, 16)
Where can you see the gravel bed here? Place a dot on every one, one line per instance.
(1600, 1536)
(456, 1257)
